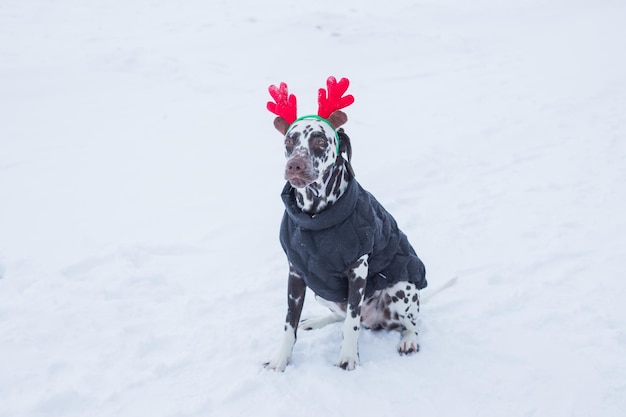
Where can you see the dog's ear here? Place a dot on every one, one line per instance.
(345, 146)
(337, 118)
(281, 125)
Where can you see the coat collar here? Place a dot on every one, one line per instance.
(331, 216)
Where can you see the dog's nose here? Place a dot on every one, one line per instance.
(295, 165)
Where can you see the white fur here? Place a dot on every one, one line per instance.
(283, 355)
(319, 322)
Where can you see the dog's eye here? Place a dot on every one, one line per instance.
(320, 143)
(289, 146)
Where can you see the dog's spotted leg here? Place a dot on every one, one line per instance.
(408, 317)
(401, 306)
(296, 290)
(357, 275)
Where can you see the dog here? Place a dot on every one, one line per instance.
(339, 241)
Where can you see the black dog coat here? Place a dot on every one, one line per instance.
(322, 247)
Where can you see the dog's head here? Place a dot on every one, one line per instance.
(312, 144)
(311, 148)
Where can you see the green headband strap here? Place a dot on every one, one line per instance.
(316, 117)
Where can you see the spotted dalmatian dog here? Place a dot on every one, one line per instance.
(319, 173)
(339, 240)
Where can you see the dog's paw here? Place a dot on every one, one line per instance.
(348, 357)
(348, 363)
(408, 344)
(277, 364)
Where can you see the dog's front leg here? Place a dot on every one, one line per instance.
(296, 289)
(357, 276)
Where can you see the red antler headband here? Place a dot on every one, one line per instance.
(329, 100)
(285, 103)
(334, 100)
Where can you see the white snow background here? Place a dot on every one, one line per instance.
(140, 174)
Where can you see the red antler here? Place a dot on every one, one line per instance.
(334, 101)
(285, 103)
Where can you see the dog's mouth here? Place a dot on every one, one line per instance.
(298, 182)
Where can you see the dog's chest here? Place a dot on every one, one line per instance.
(324, 246)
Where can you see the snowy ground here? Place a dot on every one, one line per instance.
(140, 270)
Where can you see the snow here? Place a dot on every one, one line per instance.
(140, 269)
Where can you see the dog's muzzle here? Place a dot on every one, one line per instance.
(299, 172)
